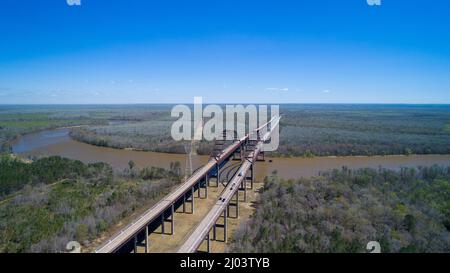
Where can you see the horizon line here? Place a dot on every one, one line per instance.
(225, 103)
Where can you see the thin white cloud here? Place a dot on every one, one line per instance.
(277, 89)
(73, 2)
(326, 91)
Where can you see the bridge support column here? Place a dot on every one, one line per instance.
(237, 204)
(235, 155)
(218, 175)
(252, 176)
(184, 203)
(225, 226)
(147, 243)
(135, 243)
(261, 156)
(206, 186)
(199, 187)
(162, 223)
(243, 188)
(165, 219)
(172, 223)
(208, 244)
(192, 200)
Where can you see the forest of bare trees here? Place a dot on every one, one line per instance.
(308, 130)
(342, 210)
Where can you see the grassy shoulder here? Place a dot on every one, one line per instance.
(342, 210)
(57, 200)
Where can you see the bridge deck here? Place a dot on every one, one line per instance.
(197, 236)
(202, 230)
(153, 213)
(165, 204)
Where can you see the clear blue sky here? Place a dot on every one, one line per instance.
(315, 51)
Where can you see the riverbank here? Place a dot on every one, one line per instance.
(172, 147)
(58, 142)
(270, 155)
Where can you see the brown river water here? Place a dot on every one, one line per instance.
(58, 142)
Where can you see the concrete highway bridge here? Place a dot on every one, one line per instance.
(247, 149)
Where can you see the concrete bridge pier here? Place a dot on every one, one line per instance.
(225, 218)
(171, 220)
(141, 239)
(206, 185)
(147, 242)
(250, 176)
(208, 244)
(172, 223)
(235, 204)
(237, 155)
(192, 200)
(188, 198)
(137, 241)
(216, 225)
(202, 184)
(261, 157)
(135, 244)
(184, 203)
(243, 188)
(217, 176)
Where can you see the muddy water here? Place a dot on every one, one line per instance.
(58, 142)
(296, 167)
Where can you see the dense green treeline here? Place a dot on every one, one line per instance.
(342, 210)
(15, 173)
(57, 200)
